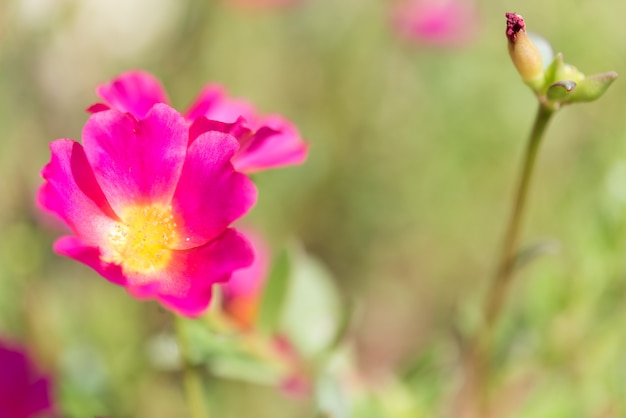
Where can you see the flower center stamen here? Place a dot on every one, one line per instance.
(142, 241)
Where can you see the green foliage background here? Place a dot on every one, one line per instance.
(414, 152)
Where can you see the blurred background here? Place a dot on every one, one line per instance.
(415, 142)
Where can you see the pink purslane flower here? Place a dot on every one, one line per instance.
(24, 392)
(268, 141)
(436, 22)
(149, 206)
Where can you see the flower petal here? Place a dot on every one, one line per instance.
(249, 281)
(238, 129)
(136, 161)
(74, 247)
(72, 193)
(24, 392)
(213, 103)
(276, 144)
(242, 294)
(15, 370)
(185, 287)
(39, 398)
(97, 107)
(210, 193)
(134, 92)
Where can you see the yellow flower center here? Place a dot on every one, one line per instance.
(142, 241)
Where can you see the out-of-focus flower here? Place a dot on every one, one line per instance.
(297, 383)
(150, 208)
(269, 141)
(24, 392)
(436, 22)
(242, 294)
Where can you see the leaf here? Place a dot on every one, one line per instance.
(331, 399)
(273, 299)
(312, 316)
(233, 356)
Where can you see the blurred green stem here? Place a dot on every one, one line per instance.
(506, 264)
(194, 389)
(502, 280)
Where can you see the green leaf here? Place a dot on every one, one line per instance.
(331, 399)
(592, 87)
(273, 299)
(233, 356)
(312, 314)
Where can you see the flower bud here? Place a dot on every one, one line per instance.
(524, 53)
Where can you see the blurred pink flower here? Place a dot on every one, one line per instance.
(243, 292)
(149, 206)
(267, 141)
(436, 22)
(24, 392)
(297, 383)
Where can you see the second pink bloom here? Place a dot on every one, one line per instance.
(268, 141)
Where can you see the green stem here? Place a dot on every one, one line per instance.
(194, 389)
(502, 280)
(506, 263)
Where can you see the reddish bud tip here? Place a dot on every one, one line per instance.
(514, 24)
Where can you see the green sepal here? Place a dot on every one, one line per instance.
(569, 72)
(555, 67)
(561, 90)
(592, 87)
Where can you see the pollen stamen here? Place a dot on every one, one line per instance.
(142, 241)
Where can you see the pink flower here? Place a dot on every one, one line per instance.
(149, 206)
(23, 391)
(297, 383)
(436, 22)
(268, 141)
(242, 294)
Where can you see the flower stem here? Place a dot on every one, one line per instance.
(502, 280)
(506, 264)
(194, 389)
